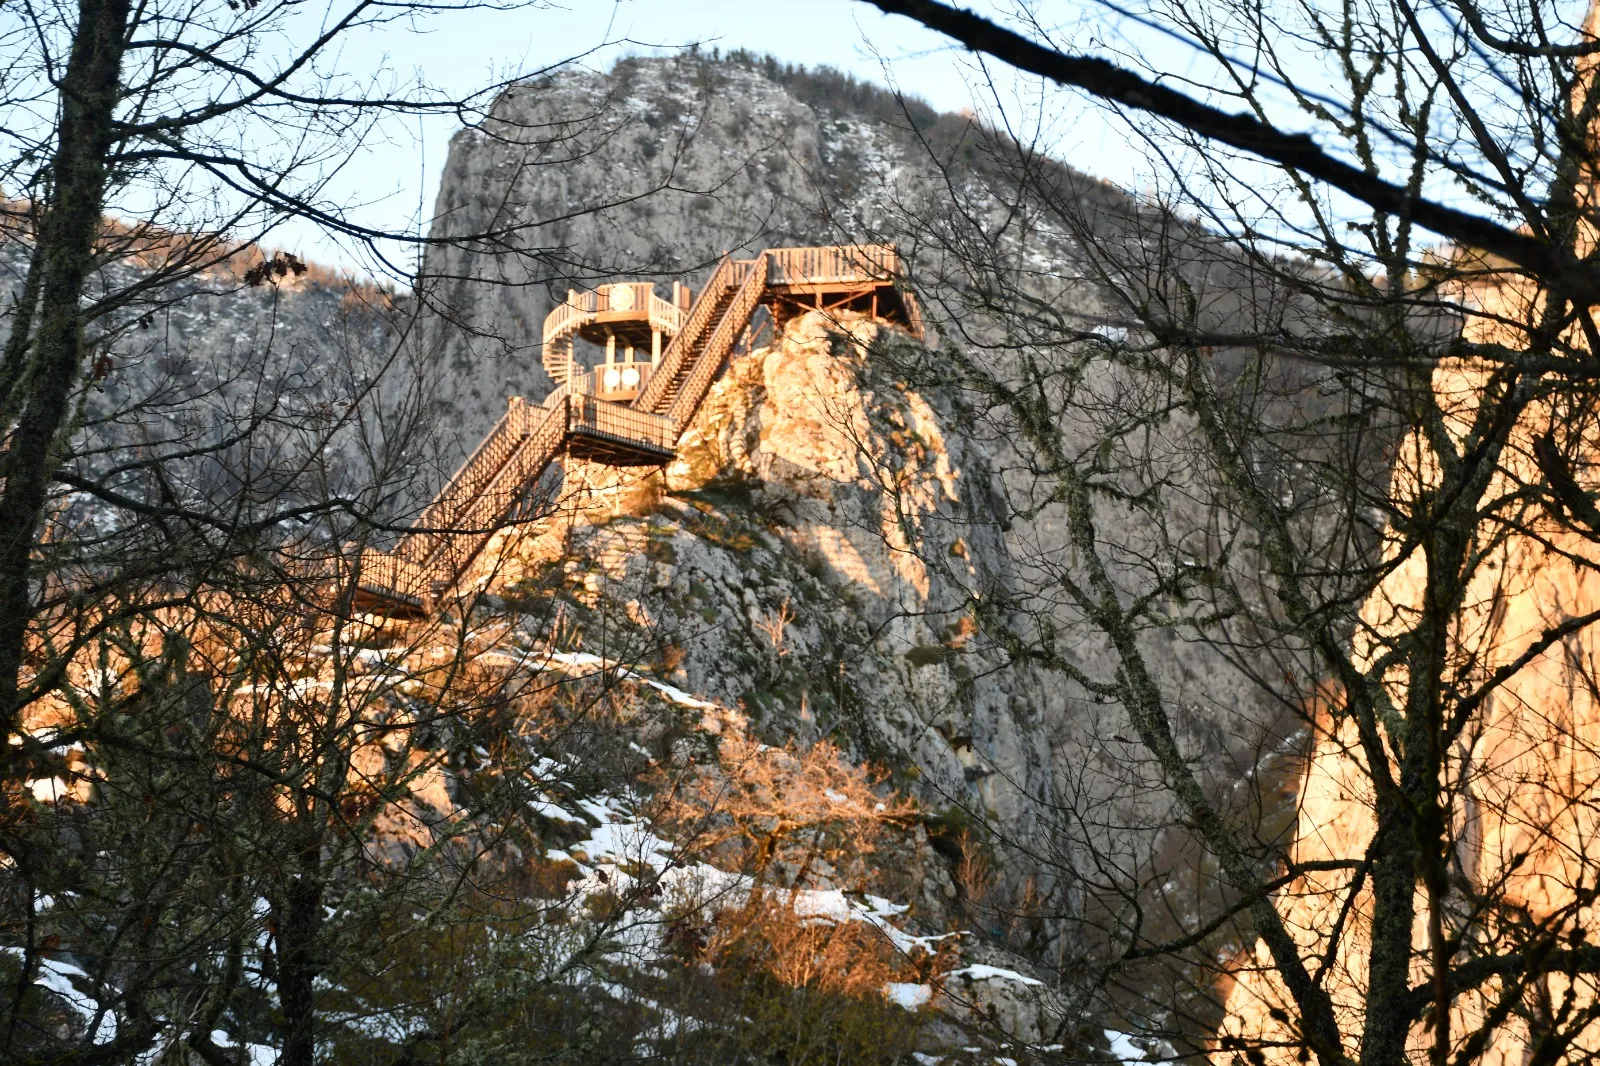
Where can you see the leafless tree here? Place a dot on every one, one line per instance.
(220, 771)
(1304, 440)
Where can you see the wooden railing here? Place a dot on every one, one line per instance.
(560, 321)
(580, 307)
(908, 300)
(625, 425)
(592, 382)
(489, 486)
(538, 439)
(463, 502)
(695, 325)
(666, 316)
(721, 341)
(841, 264)
(470, 480)
(394, 576)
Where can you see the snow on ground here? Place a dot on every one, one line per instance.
(980, 972)
(1123, 1048)
(255, 1054)
(582, 660)
(909, 996)
(61, 977)
(48, 789)
(546, 808)
(622, 854)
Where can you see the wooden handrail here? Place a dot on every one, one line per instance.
(466, 483)
(581, 307)
(698, 320)
(591, 382)
(840, 264)
(538, 439)
(720, 343)
(908, 300)
(666, 316)
(564, 321)
(560, 320)
(626, 425)
(393, 575)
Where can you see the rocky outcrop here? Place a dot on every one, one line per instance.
(1517, 783)
(659, 168)
(783, 563)
(655, 169)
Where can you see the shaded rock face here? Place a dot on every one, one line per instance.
(758, 156)
(258, 396)
(866, 487)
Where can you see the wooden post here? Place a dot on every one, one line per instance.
(611, 347)
(655, 347)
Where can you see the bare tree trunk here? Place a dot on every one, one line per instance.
(1394, 887)
(298, 927)
(90, 91)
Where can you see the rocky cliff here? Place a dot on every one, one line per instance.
(662, 167)
(779, 565)
(1517, 782)
(655, 169)
(819, 553)
(688, 157)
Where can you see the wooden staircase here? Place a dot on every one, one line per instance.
(502, 475)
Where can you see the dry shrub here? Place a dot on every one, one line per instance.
(805, 951)
(795, 819)
(799, 989)
(974, 872)
(790, 817)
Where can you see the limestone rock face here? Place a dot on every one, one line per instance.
(761, 156)
(665, 166)
(774, 563)
(874, 496)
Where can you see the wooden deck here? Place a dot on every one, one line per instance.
(582, 420)
(853, 277)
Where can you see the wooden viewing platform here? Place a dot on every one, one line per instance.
(625, 412)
